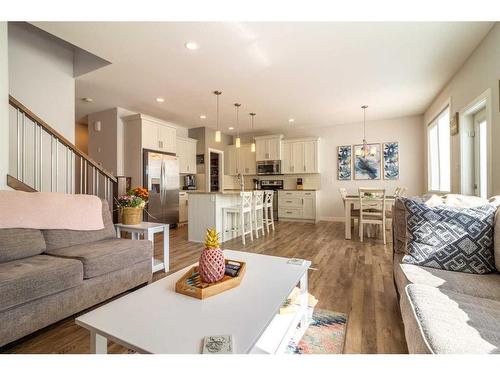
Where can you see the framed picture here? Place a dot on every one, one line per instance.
(390, 152)
(367, 168)
(344, 163)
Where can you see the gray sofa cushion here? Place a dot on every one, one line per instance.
(108, 255)
(24, 280)
(450, 238)
(455, 323)
(57, 239)
(20, 243)
(485, 286)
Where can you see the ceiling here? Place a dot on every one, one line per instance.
(317, 73)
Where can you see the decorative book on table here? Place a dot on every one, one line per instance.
(222, 344)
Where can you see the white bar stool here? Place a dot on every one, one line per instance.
(258, 212)
(268, 209)
(243, 215)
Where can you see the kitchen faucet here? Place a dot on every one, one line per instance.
(241, 181)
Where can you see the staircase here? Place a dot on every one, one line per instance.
(41, 159)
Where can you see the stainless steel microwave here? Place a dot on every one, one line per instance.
(269, 167)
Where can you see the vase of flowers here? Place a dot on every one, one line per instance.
(132, 204)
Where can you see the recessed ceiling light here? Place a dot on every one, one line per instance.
(88, 100)
(160, 100)
(231, 128)
(203, 117)
(291, 120)
(192, 46)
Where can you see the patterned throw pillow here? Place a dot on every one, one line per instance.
(450, 238)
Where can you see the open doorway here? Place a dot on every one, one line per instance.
(215, 175)
(475, 149)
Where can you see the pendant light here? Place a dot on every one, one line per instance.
(365, 150)
(252, 147)
(217, 132)
(238, 139)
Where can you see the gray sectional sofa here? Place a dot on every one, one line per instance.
(48, 275)
(446, 311)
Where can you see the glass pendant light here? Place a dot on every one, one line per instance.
(238, 139)
(252, 147)
(365, 149)
(217, 132)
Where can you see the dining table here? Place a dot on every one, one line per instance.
(351, 200)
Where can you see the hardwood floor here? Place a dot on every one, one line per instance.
(349, 276)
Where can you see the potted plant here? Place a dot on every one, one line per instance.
(132, 204)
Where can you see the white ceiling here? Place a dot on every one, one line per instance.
(318, 73)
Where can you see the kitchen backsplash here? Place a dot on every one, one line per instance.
(310, 181)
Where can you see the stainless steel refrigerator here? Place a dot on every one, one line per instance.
(161, 177)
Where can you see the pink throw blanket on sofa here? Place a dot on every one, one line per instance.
(50, 211)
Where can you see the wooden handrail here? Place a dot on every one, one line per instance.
(18, 105)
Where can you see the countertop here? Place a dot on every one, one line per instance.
(299, 189)
(237, 191)
(224, 192)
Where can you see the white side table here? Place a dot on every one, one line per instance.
(148, 230)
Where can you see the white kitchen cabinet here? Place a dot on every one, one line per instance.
(150, 136)
(311, 157)
(309, 205)
(186, 154)
(167, 138)
(155, 134)
(183, 207)
(297, 205)
(144, 132)
(268, 147)
(240, 160)
(300, 156)
(247, 164)
(231, 161)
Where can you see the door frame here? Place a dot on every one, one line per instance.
(221, 168)
(466, 123)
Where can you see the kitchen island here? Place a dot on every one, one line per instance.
(205, 211)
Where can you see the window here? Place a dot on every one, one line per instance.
(438, 152)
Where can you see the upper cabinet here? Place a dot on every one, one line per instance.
(186, 153)
(300, 156)
(247, 160)
(144, 132)
(155, 134)
(240, 160)
(268, 147)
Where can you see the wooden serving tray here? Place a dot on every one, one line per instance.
(201, 290)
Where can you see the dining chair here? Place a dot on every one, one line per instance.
(354, 212)
(372, 209)
(399, 191)
(238, 219)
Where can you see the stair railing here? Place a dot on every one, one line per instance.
(44, 160)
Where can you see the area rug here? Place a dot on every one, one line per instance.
(325, 334)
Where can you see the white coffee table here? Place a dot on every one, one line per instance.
(148, 230)
(156, 319)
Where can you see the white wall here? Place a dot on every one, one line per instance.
(479, 73)
(4, 106)
(41, 76)
(102, 145)
(407, 131)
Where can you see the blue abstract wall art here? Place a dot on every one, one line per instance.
(367, 168)
(391, 160)
(344, 163)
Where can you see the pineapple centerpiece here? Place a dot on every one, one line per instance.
(211, 265)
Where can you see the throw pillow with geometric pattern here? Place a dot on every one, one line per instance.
(450, 238)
